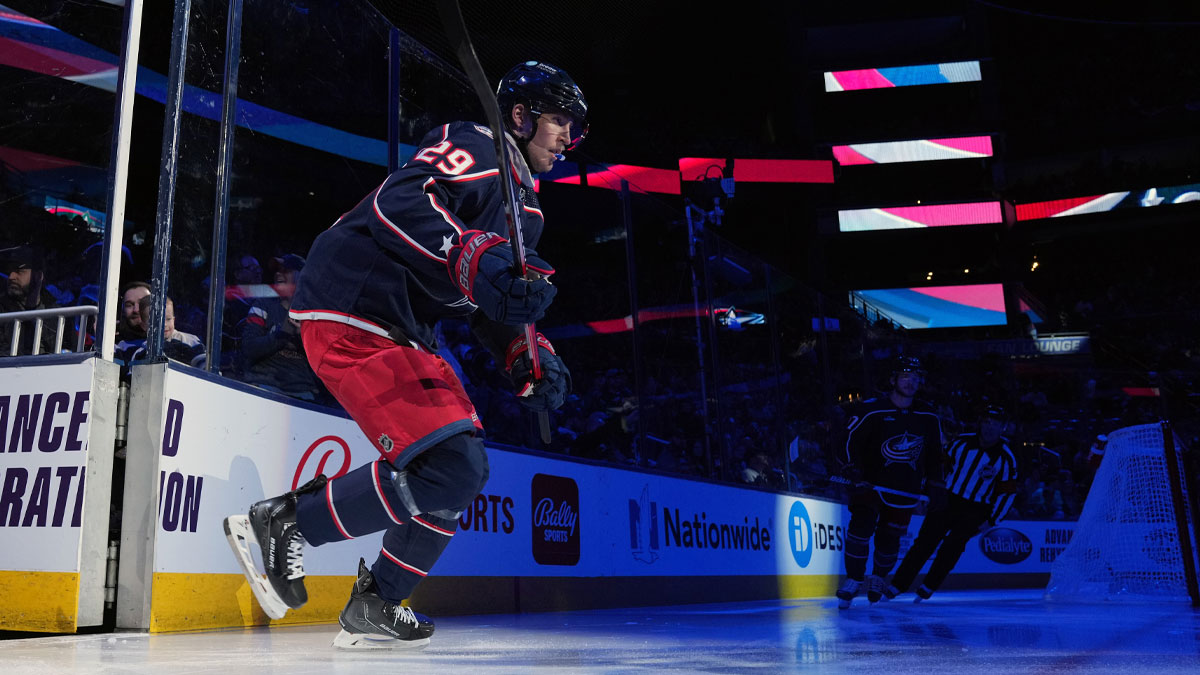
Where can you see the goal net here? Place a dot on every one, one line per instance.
(1127, 541)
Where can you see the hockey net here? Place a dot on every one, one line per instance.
(1127, 544)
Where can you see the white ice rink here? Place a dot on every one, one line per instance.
(965, 632)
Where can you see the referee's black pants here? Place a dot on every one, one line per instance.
(952, 527)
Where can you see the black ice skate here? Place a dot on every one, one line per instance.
(878, 589)
(847, 591)
(370, 622)
(923, 593)
(271, 525)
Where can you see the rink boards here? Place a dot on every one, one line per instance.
(547, 532)
(56, 447)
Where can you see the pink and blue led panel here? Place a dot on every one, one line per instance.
(940, 306)
(933, 149)
(642, 179)
(1075, 206)
(904, 217)
(903, 76)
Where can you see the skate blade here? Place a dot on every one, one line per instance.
(241, 537)
(358, 641)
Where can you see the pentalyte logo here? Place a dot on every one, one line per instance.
(800, 534)
(556, 532)
(1005, 546)
(643, 527)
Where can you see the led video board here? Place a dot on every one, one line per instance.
(1075, 206)
(926, 150)
(934, 215)
(903, 76)
(936, 306)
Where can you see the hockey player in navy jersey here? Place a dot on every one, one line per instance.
(893, 452)
(981, 486)
(427, 244)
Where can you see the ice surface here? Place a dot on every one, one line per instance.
(994, 632)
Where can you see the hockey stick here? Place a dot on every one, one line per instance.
(456, 30)
(878, 488)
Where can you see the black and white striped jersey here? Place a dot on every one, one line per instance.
(976, 472)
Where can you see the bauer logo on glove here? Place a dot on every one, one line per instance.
(481, 266)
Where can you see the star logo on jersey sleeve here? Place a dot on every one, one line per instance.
(447, 244)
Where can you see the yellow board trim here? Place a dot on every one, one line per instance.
(41, 602)
(807, 585)
(187, 602)
(184, 602)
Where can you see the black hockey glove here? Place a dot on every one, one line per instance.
(548, 393)
(851, 473)
(481, 265)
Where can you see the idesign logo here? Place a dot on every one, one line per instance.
(800, 534)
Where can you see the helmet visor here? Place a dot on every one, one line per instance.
(579, 124)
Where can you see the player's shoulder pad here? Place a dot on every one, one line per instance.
(475, 138)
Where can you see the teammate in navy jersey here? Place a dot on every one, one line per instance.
(427, 244)
(981, 486)
(893, 452)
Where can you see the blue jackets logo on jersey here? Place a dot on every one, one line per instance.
(905, 448)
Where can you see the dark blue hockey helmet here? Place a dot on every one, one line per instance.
(545, 88)
(907, 364)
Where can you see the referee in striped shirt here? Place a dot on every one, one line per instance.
(981, 485)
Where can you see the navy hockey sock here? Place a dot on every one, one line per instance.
(361, 502)
(409, 552)
(856, 556)
(887, 546)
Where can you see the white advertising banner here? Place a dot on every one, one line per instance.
(57, 425)
(224, 449)
(43, 460)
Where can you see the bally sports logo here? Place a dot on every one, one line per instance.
(555, 501)
(1005, 546)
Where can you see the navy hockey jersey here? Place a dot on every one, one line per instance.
(898, 448)
(382, 266)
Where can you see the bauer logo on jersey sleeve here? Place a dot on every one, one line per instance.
(556, 526)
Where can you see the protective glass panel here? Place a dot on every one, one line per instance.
(58, 72)
(308, 145)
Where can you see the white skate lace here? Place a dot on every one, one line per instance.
(405, 615)
(295, 558)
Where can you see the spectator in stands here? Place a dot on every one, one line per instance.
(25, 291)
(129, 322)
(177, 345)
(247, 273)
(759, 472)
(271, 354)
(131, 333)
